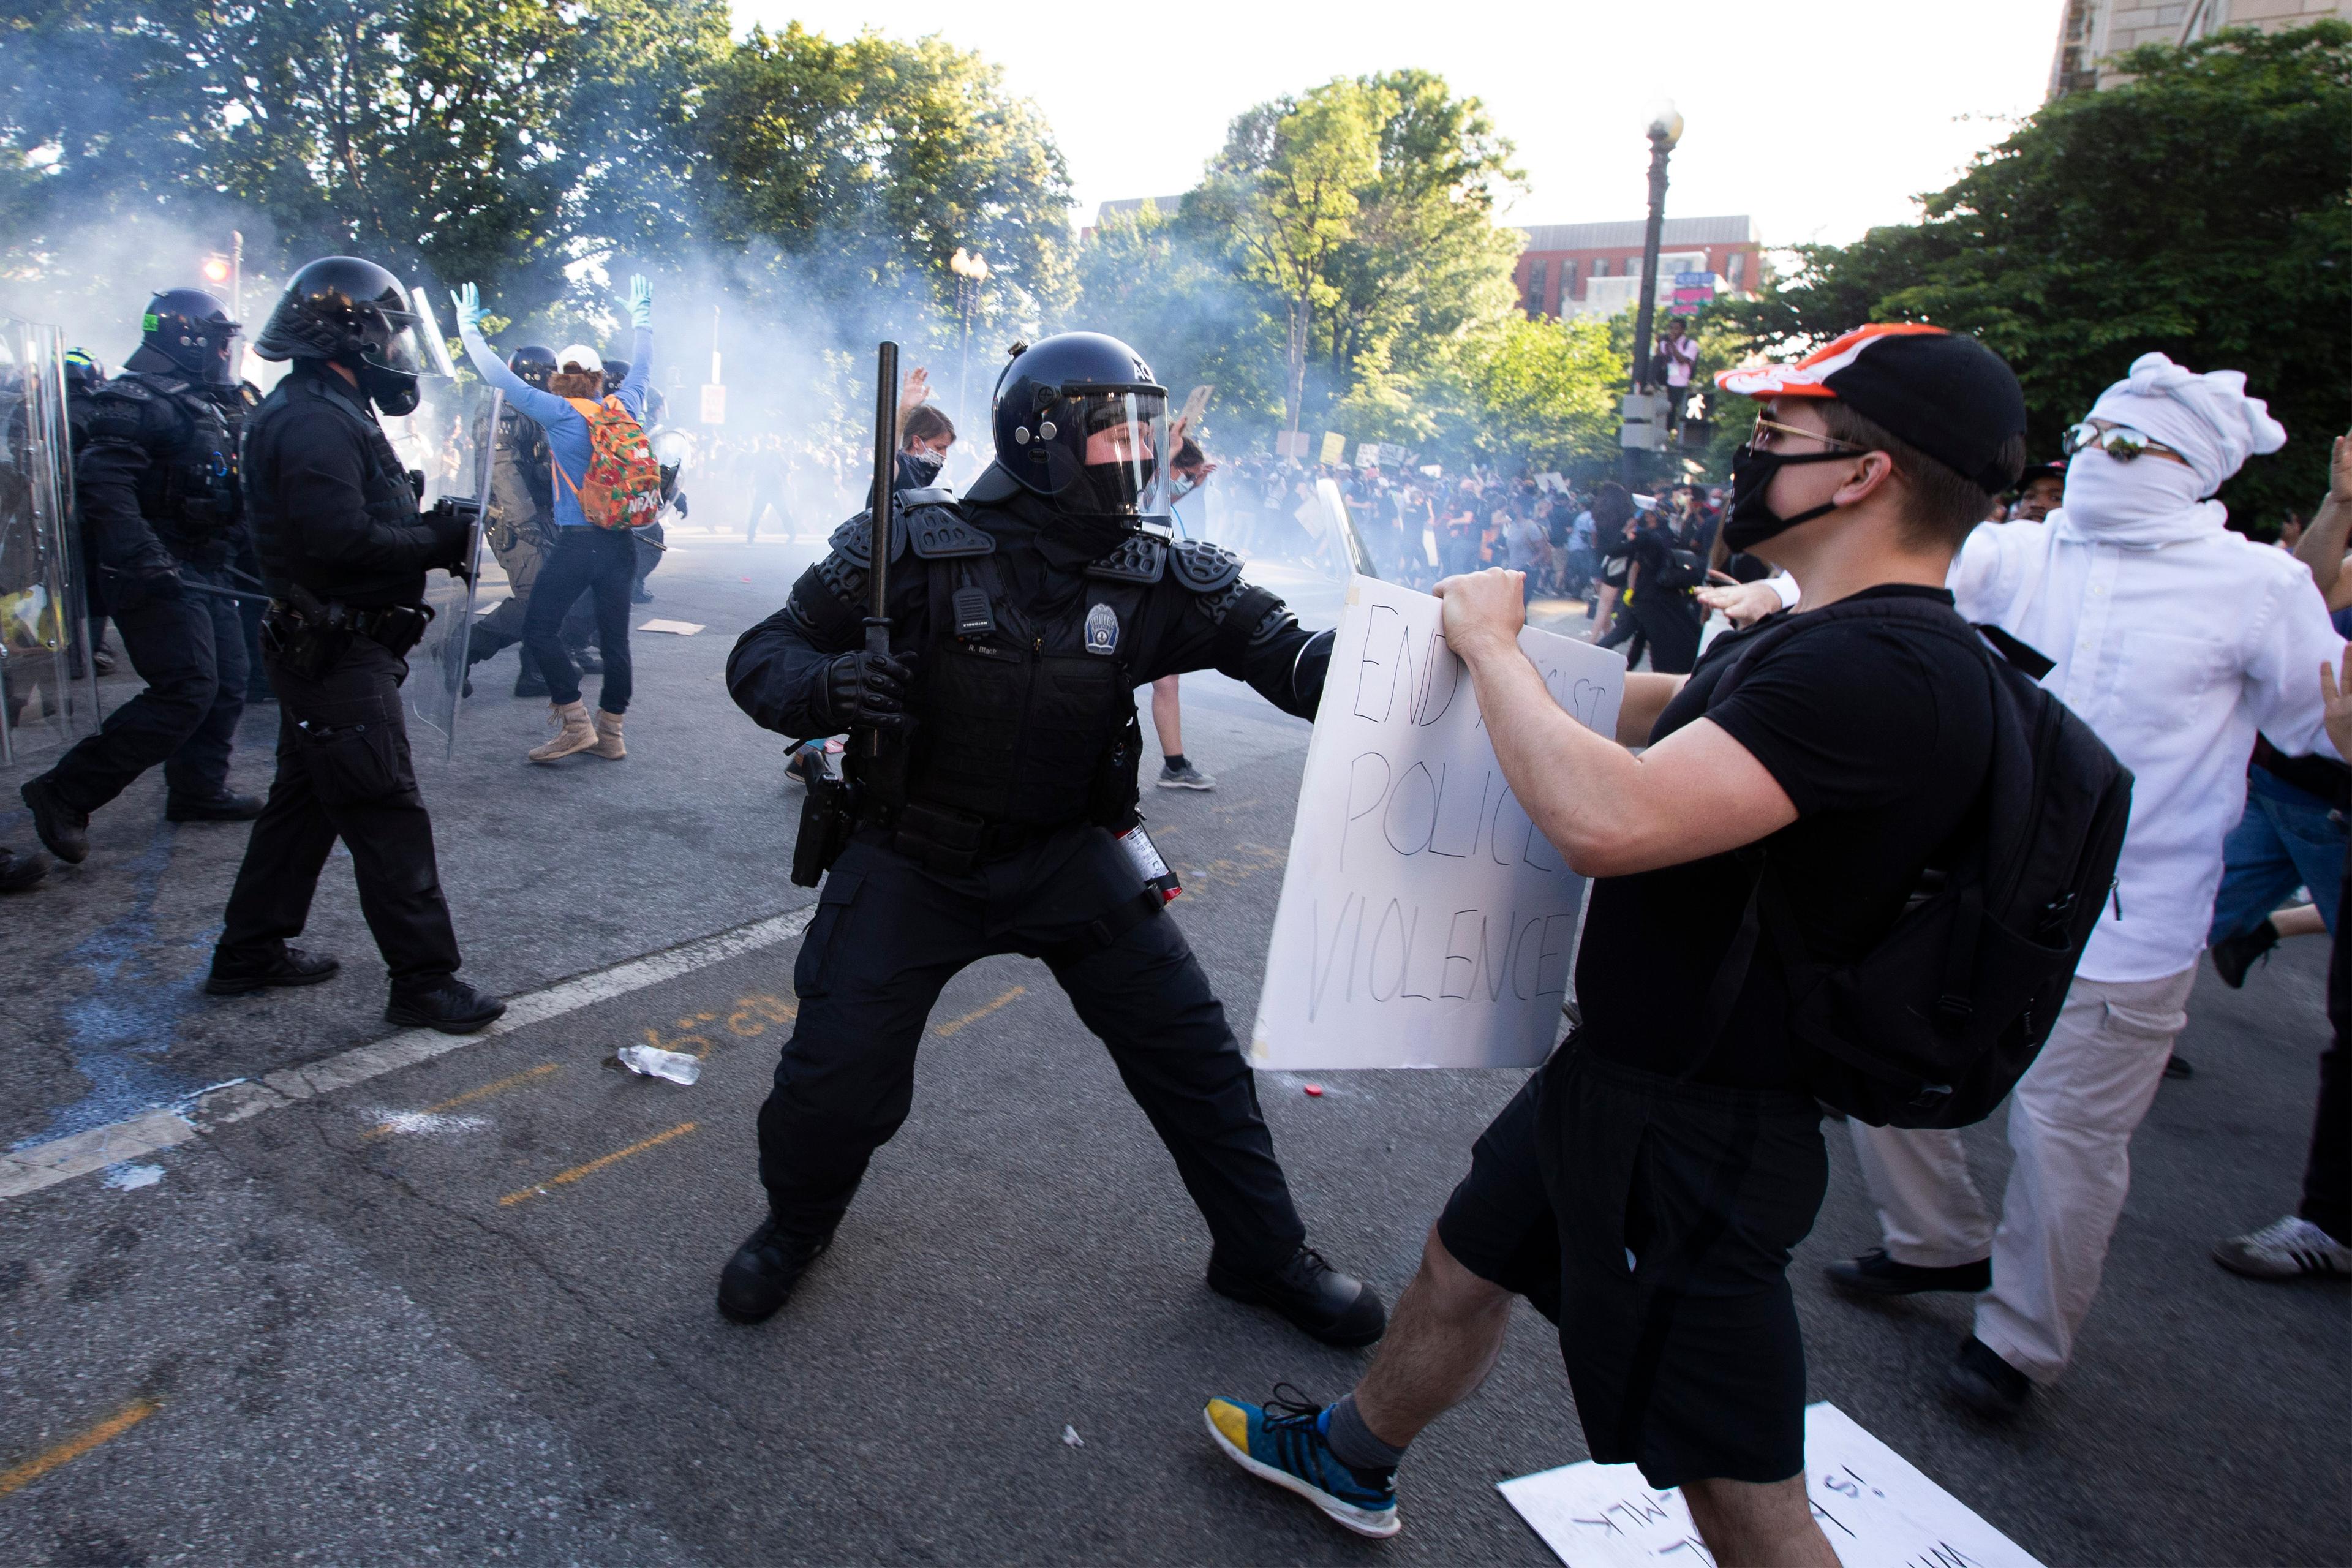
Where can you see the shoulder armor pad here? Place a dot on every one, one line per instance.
(938, 531)
(125, 388)
(1205, 568)
(854, 540)
(1141, 558)
(930, 495)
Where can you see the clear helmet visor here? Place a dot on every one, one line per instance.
(417, 346)
(1125, 450)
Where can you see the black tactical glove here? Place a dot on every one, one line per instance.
(868, 690)
(149, 579)
(452, 533)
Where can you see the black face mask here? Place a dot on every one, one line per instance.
(395, 392)
(1748, 521)
(922, 466)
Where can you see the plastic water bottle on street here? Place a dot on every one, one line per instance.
(675, 1066)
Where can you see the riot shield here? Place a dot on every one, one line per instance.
(49, 686)
(1342, 530)
(437, 669)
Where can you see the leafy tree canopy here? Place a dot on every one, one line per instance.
(2203, 208)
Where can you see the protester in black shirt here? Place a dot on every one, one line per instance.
(1662, 609)
(1647, 1186)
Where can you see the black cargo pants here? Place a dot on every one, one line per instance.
(343, 772)
(189, 648)
(888, 935)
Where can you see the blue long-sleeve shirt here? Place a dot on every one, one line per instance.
(567, 441)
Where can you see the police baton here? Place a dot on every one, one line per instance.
(223, 593)
(886, 435)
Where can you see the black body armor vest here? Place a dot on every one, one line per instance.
(1027, 719)
(188, 491)
(385, 488)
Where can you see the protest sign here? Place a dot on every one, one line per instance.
(1877, 1509)
(1423, 920)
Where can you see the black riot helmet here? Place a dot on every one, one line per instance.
(353, 312)
(192, 330)
(532, 364)
(617, 371)
(84, 374)
(1080, 419)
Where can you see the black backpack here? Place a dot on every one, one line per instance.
(1934, 1025)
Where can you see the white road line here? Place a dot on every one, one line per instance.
(62, 1159)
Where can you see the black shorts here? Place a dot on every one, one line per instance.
(1652, 1221)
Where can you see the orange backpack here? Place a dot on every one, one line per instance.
(623, 488)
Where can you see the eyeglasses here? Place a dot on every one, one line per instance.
(1768, 428)
(2120, 442)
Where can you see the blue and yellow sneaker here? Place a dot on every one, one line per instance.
(1285, 1442)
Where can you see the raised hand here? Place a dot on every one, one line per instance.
(2336, 708)
(641, 302)
(468, 300)
(916, 391)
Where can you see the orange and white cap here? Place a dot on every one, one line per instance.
(1943, 393)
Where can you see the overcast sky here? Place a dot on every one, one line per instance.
(1820, 118)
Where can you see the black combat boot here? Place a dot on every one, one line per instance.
(443, 1001)
(235, 974)
(222, 807)
(62, 829)
(764, 1271)
(18, 873)
(1327, 1305)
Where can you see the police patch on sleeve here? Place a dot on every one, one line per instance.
(1102, 630)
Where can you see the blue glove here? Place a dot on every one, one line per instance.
(470, 308)
(641, 302)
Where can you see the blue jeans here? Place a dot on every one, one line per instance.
(2287, 837)
(603, 563)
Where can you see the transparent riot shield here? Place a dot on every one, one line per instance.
(48, 686)
(461, 451)
(1340, 530)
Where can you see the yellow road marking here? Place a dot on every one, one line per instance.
(470, 1096)
(73, 1448)
(977, 1014)
(565, 1178)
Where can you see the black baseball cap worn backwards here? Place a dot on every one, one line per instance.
(1946, 395)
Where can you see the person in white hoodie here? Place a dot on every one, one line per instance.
(2176, 640)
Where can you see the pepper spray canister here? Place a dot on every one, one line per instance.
(1148, 863)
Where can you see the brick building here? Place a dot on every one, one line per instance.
(2091, 30)
(1595, 269)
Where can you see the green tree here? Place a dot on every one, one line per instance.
(1285, 189)
(1541, 391)
(2199, 209)
(869, 162)
(1154, 280)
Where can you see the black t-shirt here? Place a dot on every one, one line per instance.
(1879, 733)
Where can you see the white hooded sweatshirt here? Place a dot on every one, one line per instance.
(2174, 639)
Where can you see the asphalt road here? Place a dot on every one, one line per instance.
(460, 1312)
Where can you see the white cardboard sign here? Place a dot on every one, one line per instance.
(1423, 920)
(1877, 1509)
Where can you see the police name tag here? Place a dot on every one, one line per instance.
(1102, 630)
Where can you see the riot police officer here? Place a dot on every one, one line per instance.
(344, 551)
(1021, 620)
(156, 487)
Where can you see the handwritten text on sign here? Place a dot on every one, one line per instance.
(1425, 921)
(1877, 1507)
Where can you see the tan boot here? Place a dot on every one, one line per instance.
(608, 738)
(574, 733)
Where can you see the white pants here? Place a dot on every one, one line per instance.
(2070, 1124)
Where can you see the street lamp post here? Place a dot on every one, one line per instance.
(970, 272)
(1664, 128)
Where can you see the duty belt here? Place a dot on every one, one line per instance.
(950, 842)
(394, 628)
